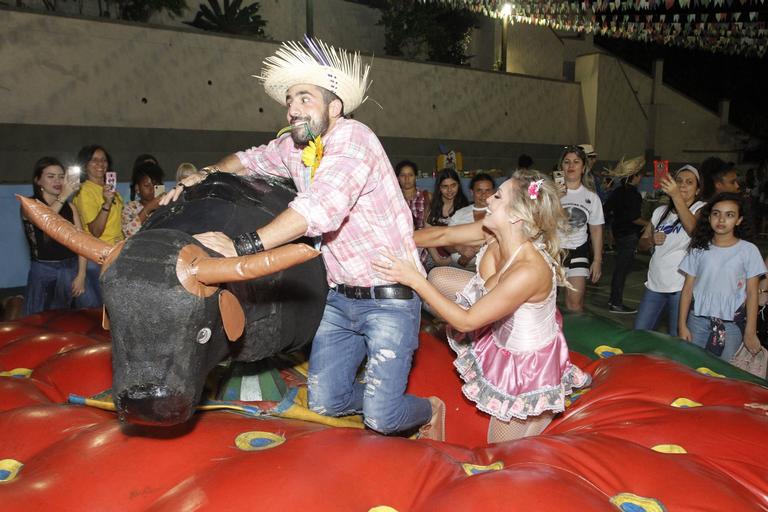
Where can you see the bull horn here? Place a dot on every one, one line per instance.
(227, 270)
(63, 231)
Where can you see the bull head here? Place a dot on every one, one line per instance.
(141, 306)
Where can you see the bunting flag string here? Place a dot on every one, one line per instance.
(715, 27)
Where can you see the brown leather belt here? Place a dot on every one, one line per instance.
(387, 291)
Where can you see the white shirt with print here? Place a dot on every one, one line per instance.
(583, 208)
(664, 275)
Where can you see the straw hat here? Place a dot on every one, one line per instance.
(626, 168)
(316, 63)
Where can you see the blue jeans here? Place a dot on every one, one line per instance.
(49, 285)
(651, 307)
(92, 296)
(699, 327)
(386, 331)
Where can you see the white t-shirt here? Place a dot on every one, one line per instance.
(582, 207)
(664, 275)
(462, 216)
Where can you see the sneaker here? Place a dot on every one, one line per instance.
(435, 429)
(621, 309)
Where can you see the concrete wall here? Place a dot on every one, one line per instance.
(588, 74)
(336, 21)
(533, 50)
(616, 99)
(622, 122)
(190, 96)
(685, 130)
(689, 133)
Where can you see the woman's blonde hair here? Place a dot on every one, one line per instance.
(541, 216)
(185, 169)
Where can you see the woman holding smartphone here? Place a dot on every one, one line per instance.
(99, 205)
(147, 181)
(585, 216)
(56, 275)
(668, 236)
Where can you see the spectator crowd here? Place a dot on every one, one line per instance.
(705, 277)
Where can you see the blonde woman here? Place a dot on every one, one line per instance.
(513, 357)
(185, 169)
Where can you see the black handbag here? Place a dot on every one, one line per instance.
(762, 325)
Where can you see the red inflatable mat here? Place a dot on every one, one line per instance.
(649, 435)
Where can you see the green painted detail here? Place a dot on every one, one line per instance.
(585, 333)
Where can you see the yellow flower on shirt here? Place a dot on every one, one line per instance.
(312, 154)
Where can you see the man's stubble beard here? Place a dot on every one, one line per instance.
(301, 135)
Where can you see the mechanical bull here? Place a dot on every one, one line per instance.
(176, 309)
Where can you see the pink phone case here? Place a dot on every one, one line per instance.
(110, 179)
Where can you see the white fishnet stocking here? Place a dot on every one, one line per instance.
(499, 431)
(449, 280)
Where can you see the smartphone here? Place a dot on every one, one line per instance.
(660, 171)
(110, 179)
(159, 190)
(559, 177)
(73, 177)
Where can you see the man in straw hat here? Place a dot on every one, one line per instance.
(348, 195)
(625, 203)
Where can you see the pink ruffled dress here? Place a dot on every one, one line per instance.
(519, 365)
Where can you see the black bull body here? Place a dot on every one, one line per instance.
(175, 312)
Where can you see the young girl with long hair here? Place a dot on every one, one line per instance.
(447, 199)
(511, 350)
(721, 277)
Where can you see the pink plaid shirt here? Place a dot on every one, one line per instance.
(354, 201)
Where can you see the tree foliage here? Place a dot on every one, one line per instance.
(141, 10)
(230, 18)
(129, 10)
(431, 30)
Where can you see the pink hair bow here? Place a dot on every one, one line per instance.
(533, 189)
